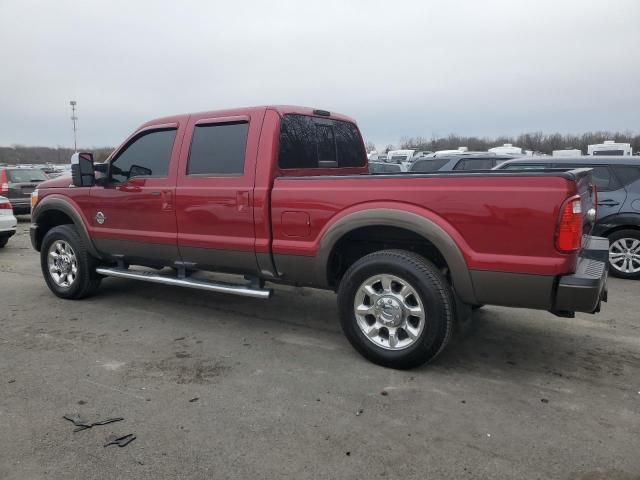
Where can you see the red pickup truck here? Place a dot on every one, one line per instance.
(283, 194)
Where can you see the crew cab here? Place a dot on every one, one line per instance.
(283, 194)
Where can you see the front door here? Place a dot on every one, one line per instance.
(134, 215)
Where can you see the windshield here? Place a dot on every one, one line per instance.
(26, 175)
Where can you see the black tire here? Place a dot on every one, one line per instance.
(434, 292)
(3, 241)
(615, 236)
(87, 280)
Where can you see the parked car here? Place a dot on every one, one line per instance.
(283, 194)
(617, 181)
(17, 183)
(466, 161)
(7, 221)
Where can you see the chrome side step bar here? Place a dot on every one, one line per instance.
(153, 277)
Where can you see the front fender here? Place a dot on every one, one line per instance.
(67, 206)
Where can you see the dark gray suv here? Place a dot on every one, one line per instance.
(618, 183)
(17, 183)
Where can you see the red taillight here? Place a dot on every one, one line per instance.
(569, 234)
(4, 182)
(5, 206)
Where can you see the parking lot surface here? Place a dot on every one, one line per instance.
(217, 386)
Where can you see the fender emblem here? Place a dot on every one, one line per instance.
(100, 218)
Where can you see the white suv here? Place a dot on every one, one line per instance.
(7, 221)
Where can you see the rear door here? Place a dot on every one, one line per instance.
(214, 195)
(611, 192)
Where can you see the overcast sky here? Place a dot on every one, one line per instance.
(399, 67)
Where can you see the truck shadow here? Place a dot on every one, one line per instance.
(502, 342)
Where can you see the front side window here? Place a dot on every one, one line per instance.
(311, 142)
(218, 149)
(627, 174)
(602, 177)
(148, 156)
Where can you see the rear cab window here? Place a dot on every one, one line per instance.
(312, 142)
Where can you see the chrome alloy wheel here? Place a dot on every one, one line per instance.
(389, 312)
(63, 264)
(624, 255)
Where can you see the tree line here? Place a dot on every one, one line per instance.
(538, 142)
(19, 154)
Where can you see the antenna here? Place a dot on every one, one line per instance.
(74, 119)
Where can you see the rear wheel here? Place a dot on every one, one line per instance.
(396, 308)
(624, 254)
(67, 266)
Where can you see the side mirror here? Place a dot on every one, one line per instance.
(82, 173)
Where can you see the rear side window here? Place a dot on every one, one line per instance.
(311, 142)
(627, 174)
(148, 156)
(218, 149)
(475, 164)
(424, 166)
(602, 177)
(525, 166)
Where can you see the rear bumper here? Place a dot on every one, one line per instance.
(20, 205)
(584, 290)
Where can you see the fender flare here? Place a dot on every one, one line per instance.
(418, 224)
(65, 206)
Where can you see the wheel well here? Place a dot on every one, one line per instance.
(621, 227)
(49, 219)
(365, 240)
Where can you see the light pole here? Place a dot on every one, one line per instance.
(74, 118)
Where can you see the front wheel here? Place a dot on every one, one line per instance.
(67, 266)
(624, 254)
(396, 308)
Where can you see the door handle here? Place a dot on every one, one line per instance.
(242, 201)
(608, 203)
(155, 194)
(167, 200)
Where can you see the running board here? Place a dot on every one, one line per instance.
(153, 277)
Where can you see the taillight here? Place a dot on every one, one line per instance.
(5, 206)
(4, 182)
(569, 234)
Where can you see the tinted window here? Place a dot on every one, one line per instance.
(218, 149)
(607, 152)
(306, 141)
(429, 165)
(474, 164)
(148, 155)
(326, 145)
(601, 176)
(377, 167)
(627, 174)
(26, 175)
(525, 166)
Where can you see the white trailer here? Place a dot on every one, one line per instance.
(567, 152)
(609, 147)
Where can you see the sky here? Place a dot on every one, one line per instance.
(400, 68)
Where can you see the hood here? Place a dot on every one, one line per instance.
(62, 181)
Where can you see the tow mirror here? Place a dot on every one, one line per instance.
(82, 172)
